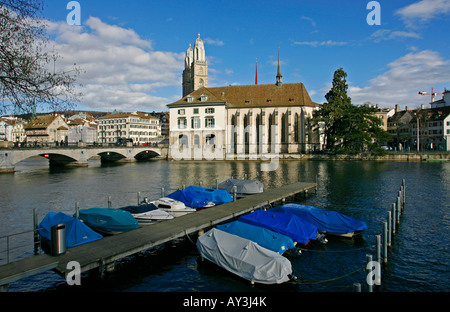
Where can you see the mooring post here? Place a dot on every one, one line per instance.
(201, 183)
(404, 191)
(389, 228)
(138, 198)
(183, 187)
(369, 271)
(385, 242)
(217, 184)
(162, 192)
(35, 232)
(394, 214)
(234, 192)
(356, 287)
(378, 237)
(77, 210)
(109, 202)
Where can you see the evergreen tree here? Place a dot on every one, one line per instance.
(349, 129)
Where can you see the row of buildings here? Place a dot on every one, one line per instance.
(60, 129)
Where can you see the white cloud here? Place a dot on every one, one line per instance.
(405, 77)
(328, 43)
(309, 19)
(423, 11)
(122, 71)
(386, 34)
(216, 42)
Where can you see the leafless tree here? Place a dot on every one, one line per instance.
(27, 77)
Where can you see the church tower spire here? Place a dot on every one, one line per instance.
(195, 74)
(279, 76)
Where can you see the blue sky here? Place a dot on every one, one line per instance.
(133, 51)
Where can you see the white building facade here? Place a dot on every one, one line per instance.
(141, 127)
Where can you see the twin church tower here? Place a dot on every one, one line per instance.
(195, 74)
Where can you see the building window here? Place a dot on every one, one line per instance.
(181, 112)
(182, 123)
(190, 98)
(210, 138)
(195, 123)
(183, 140)
(209, 110)
(195, 110)
(196, 140)
(209, 122)
(203, 98)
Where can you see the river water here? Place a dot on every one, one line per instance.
(418, 258)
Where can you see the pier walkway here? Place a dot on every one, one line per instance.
(104, 252)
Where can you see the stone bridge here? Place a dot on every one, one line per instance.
(79, 156)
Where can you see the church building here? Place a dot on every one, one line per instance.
(239, 121)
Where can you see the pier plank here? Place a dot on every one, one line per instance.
(112, 248)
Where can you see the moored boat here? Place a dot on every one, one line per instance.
(107, 220)
(243, 187)
(77, 233)
(244, 257)
(326, 221)
(191, 199)
(172, 206)
(292, 226)
(264, 237)
(147, 213)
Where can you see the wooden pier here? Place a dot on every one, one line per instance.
(103, 253)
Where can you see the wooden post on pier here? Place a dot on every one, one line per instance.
(378, 248)
(138, 198)
(109, 202)
(394, 215)
(385, 242)
(162, 192)
(389, 222)
(35, 232)
(77, 210)
(369, 271)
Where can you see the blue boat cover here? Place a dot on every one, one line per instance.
(77, 232)
(213, 195)
(108, 220)
(189, 198)
(328, 221)
(286, 224)
(264, 237)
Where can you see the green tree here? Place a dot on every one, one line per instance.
(349, 129)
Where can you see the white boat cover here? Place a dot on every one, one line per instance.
(243, 187)
(244, 258)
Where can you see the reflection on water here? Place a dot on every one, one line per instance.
(364, 190)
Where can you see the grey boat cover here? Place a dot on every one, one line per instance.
(244, 258)
(243, 187)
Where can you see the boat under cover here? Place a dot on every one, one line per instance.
(290, 225)
(147, 213)
(107, 220)
(244, 257)
(190, 198)
(243, 187)
(216, 196)
(264, 237)
(77, 232)
(330, 222)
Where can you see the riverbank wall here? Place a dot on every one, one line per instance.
(361, 157)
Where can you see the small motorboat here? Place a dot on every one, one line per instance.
(191, 199)
(147, 213)
(264, 237)
(328, 222)
(243, 187)
(108, 221)
(244, 257)
(172, 206)
(77, 233)
(290, 225)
